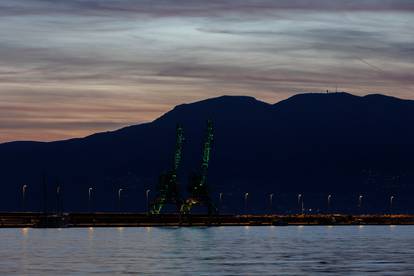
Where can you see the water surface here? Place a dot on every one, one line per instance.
(262, 250)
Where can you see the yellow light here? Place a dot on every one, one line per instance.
(25, 231)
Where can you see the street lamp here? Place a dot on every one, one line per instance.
(329, 202)
(119, 197)
(360, 201)
(300, 203)
(220, 201)
(246, 195)
(58, 198)
(271, 202)
(90, 199)
(147, 198)
(24, 188)
(391, 203)
(303, 208)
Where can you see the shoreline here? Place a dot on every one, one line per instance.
(101, 219)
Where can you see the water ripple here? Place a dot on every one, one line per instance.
(347, 250)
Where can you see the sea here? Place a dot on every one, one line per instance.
(227, 250)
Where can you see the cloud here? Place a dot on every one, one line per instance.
(70, 68)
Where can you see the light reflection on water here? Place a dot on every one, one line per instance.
(306, 250)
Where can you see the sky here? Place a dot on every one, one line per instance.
(70, 68)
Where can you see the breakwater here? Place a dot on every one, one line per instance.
(26, 219)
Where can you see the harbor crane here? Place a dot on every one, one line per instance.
(198, 188)
(168, 190)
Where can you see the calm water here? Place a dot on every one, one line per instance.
(293, 250)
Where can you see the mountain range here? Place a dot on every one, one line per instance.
(311, 144)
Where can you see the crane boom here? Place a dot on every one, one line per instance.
(206, 152)
(198, 188)
(168, 182)
(178, 148)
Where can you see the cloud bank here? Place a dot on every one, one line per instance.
(71, 68)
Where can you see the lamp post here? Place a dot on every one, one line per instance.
(300, 203)
(246, 195)
(58, 198)
(147, 199)
(391, 203)
(302, 206)
(90, 199)
(360, 202)
(119, 198)
(24, 188)
(271, 203)
(220, 201)
(329, 203)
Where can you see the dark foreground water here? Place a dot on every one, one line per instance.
(293, 250)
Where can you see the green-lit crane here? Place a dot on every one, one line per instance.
(198, 188)
(168, 192)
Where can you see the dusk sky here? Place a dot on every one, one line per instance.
(72, 68)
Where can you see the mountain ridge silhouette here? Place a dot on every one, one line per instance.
(313, 143)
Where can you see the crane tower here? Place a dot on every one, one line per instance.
(167, 189)
(198, 189)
